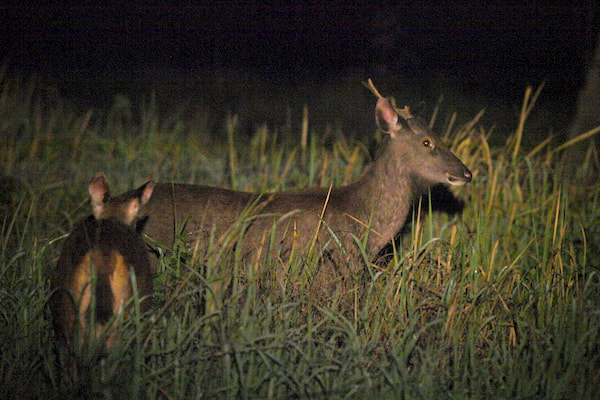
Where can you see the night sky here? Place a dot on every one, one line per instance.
(498, 48)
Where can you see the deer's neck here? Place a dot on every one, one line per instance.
(386, 191)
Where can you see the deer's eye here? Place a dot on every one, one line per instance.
(427, 143)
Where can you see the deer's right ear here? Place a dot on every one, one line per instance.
(99, 190)
(132, 206)
(147, 192)
(386, 116)
(131, 210)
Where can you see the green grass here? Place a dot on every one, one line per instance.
(501, 302)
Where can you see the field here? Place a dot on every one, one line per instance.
(499, 301)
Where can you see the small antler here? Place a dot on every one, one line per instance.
(404, 113)
(369, 84)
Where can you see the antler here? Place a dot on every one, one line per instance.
(369, 84)
(402, 112)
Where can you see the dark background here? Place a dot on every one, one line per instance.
(493, 50)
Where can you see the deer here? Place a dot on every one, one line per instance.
(331, 221)
(97, 260)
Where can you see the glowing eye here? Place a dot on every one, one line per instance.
(427, 143)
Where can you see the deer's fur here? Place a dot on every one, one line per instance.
(105, 246)
(329, 221)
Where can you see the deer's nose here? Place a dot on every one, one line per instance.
(468, 175)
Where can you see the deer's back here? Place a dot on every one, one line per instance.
(109, 249)
(203, 211)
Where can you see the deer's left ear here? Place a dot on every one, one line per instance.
(99, 190)
(386, 117)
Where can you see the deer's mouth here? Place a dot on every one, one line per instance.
(459, 180)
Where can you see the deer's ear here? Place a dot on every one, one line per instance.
(147, 192)
(130, 210)
(386, 117)
(99, 190)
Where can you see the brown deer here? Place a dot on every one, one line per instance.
(104, 248)
(330, 221)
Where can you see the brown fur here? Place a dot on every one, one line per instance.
(373, 209)
(109, 248)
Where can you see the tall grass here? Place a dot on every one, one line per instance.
(500, 302)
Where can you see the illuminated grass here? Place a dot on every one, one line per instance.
(500, 302)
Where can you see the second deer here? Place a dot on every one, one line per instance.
(96, 266)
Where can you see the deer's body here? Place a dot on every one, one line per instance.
(345, 210)
(376, 205)
(105, 248)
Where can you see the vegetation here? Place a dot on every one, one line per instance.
(502, 301)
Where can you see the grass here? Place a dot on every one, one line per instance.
(502, 301)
